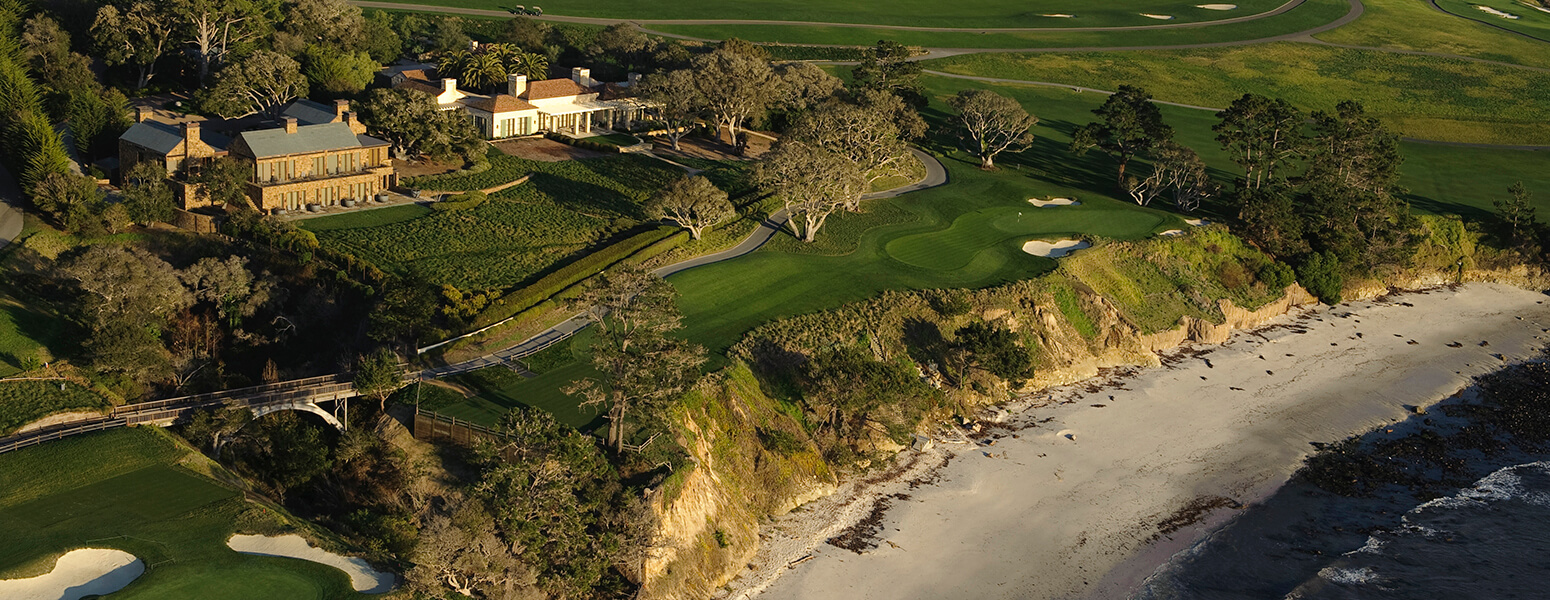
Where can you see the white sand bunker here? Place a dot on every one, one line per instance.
(1158, 17)
(1217, 6)
(1055, 249)
(1197, 222)
(363, 577)
(1171, 233)
(79, 573)
(1053, 202)
(1058, 16)
(1504, 15)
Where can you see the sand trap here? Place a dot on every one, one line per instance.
(1538, 8)
(79, 573)
(1054, 249)
(1217, 6)
(363, 577)
(1053, 202)
(1171, 233)
(1197, 222)
(1504, 15)
(1158, 17)
(1058, 16)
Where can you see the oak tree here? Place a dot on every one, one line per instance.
(811, 182)
(989, 124)
(1129, 124)
(693, 203)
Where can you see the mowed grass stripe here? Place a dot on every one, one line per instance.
(1422, 97)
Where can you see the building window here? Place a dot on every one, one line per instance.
(333, 164)
(317, 166)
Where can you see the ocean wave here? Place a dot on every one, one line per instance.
(1349, 576)
(1504, 484)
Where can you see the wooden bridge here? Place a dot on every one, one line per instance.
(299, 395)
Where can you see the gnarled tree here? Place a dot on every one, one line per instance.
(989, 124)
(811, 181)
(693, 203)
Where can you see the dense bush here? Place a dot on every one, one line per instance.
(1276, 275)
(844, 53)
(462, 201)
(1320, 275)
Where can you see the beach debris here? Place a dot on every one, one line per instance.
(1484, 344)
(1269, 372)
(1193, 512)
(1455, 345)
(1235, 388)
(793, 564)
(1208, 363)
(922, 443)
(1413, 343)
(896, 546)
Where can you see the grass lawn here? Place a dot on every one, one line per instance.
(615, 139)
(132, 490)
(521, 232)
(1422, 97)
(498, 389)
(1532, 22)
(26, 334)
(22, 402)
(1312, 13)
(919, 13)
(1415, 25)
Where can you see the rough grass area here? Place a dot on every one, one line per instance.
(26, 332)
(498, 389)
(138, 491)
(1441, 99)
(22, 402)
(1410, 25)
(921, 13)
(566, 208)
(1310, 14)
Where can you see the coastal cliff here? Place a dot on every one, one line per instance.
(1118, 304)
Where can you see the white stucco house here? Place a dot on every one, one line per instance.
(571, 106)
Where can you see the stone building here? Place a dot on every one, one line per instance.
(571, 106)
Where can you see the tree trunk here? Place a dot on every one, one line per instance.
(694, 232)
(1121, 180)
(988, 162)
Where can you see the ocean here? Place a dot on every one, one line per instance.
(1421, 531)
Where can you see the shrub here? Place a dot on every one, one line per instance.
(1320, 275)
(462, 201)
(1276, 275)
(779, 441)
(1232, 275)
(951, 303)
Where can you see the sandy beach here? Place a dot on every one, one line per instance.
(1087, 489)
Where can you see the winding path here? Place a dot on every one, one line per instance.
(936, 175)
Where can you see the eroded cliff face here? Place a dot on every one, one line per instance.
(750, 461)
(710, 520)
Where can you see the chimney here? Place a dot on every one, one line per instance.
(190, 134)
(354, 123)
(290, 124)
(142, 113)
(448, 85)
(631, 79)
(516, 85)
(582, 76)
(341, 107)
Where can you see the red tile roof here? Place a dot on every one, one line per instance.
(553, 88)
(500, 103)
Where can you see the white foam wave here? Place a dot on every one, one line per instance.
(1373, 546)
(1349, 576)
(1504, 484)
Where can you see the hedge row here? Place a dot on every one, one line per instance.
(462, 201)
(583, 144)
(523, 298)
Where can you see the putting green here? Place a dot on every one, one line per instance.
(972, 234)
(129, 489)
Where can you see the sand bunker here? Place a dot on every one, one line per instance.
(1538, 8)
(1158, 17)
(79, 573)
(1053, 202)
(1217, 6)
(1171, 233)
(1054, 249)
(1504, 15)
(1197, 222)
(363, 577)
(1058, 16)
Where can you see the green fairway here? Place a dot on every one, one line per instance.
(1420, 96)
(913, 13)
(1415, 25)
(1309, 15)
(132, 490)
(1464, 181)
(1530, 20)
